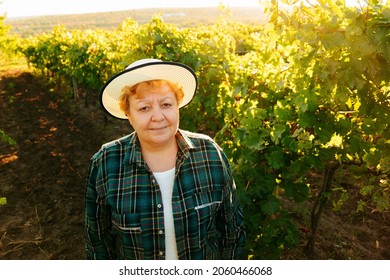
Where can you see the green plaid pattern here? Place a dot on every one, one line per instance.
(124, 216)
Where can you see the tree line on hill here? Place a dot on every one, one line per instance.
(182, 17)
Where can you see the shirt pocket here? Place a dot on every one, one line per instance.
(207, 205)
(127, 231)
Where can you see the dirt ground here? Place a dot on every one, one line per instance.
(43, 180)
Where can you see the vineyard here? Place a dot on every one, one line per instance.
(301, 106)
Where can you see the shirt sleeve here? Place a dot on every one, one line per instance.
(99, 242)
(232, 220)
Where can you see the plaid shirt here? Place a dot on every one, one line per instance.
(124, 216)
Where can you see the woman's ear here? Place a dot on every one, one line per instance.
(128, 118)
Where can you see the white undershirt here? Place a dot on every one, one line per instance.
(166, 180)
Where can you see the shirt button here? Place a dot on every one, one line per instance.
(159, 205)
(160, 232)
(161, 253)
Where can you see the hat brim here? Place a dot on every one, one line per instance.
(175, 72)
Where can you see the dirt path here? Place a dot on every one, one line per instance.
(43, 176)
(43, 180)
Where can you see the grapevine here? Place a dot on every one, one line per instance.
(308, 89)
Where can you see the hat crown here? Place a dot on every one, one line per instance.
(142, 62)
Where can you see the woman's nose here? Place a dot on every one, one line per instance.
(157, 115)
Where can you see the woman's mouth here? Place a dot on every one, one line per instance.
(158, 128)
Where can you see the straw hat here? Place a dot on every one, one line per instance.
(146, 70)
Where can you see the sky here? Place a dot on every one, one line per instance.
(22, 8)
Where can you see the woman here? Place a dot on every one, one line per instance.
(160, 192)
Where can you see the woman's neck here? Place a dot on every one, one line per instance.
(160, 158)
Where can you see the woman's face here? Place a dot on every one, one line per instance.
(154, 114)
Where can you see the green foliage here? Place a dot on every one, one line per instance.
(310, 87)
(315, 89)
(3, 33)
(375, 193)
(86, 57)
(5, 138)
(3, 201)
(7, 43)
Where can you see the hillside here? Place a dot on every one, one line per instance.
(183, 17)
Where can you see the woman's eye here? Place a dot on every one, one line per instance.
(143, 109)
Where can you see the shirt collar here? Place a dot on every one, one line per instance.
(134, 155)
